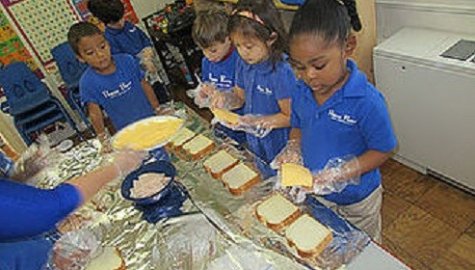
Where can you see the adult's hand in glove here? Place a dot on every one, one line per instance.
(127, 161)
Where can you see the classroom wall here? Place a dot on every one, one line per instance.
(366, 37)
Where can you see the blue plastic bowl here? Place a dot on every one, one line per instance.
(160, 166)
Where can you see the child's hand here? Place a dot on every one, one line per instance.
(291, 153)
(218, 100)
(206, 90)
(150, 66)
(105, 142)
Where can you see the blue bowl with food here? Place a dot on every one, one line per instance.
(150, 183)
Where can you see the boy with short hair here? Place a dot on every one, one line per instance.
(125, 37)
(114, 83)
(210, 33)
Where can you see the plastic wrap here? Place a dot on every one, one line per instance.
(74, 250)
(255, 129)
(35, 158)
(336, 175)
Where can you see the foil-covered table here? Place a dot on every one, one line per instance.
(216, 228)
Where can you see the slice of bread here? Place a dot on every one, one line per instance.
(109, 259)
(308, 236)
(183, 136)
(296, 175)
(277, 212)
(219, 163)
(226, 116)
(239, 179)
(198, 147)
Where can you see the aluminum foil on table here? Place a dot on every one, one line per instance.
(235, 215)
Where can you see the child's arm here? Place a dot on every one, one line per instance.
(278, 120)
(152, 98)
(97, 119)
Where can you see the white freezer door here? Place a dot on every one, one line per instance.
(433, 113)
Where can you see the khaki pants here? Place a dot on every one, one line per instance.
(365, 215)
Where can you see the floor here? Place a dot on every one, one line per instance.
(427, 224)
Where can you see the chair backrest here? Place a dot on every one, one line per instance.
(69, 66)
(293, 2)
(23, 89)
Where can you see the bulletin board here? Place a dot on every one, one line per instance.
(11, 47)
(43, 23)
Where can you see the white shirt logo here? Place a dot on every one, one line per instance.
(124, 87)
(132, 30)
(264, 90)
(221, 82)
(342, 118)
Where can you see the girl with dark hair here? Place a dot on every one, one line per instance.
(336, 112)
(264, 80)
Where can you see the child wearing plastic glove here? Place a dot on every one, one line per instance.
(264, 79)
(27, 213)
(337, 113)
(218, 66)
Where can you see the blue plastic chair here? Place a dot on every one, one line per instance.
(71, 70)
(30, 103)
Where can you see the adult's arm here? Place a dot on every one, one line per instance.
(27, 211)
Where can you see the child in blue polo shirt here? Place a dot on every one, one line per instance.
(218, 66)
(114, 84)
(336, 112)
(125, 37)
(264, 80)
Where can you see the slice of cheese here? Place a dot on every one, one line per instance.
(296, 175)
(238, 176)
(309, 236)
(276, 209)
(182, 137)
(148, 133)
(219, 162)
(197, 144)
(226, 116)
(109, 259)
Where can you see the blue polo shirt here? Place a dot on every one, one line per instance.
(352, 121)
(222, 73)
(264, 85)
(120, 94)
(130, 39)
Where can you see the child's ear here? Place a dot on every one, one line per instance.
(80, 59)
(350, 45)
(272, 39)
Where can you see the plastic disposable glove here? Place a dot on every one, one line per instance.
(255, 125)
(33, 160)
(291, 153)
(336, 175)
(127, 161)
(226, 100)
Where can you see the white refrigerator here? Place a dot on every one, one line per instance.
(431, 99)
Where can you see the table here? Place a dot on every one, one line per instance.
(214, 223)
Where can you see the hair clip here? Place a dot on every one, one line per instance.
(248, 14)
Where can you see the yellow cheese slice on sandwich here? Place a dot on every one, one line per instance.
(148, 133)
(226, 116)
(296, 175)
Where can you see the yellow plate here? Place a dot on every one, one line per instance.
(148, 133)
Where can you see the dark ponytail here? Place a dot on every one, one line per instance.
(353, 13)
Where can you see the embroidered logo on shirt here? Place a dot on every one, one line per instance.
(342, 118)
(132, 30)
(264, 90)
(124, 87)
(221, 82)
